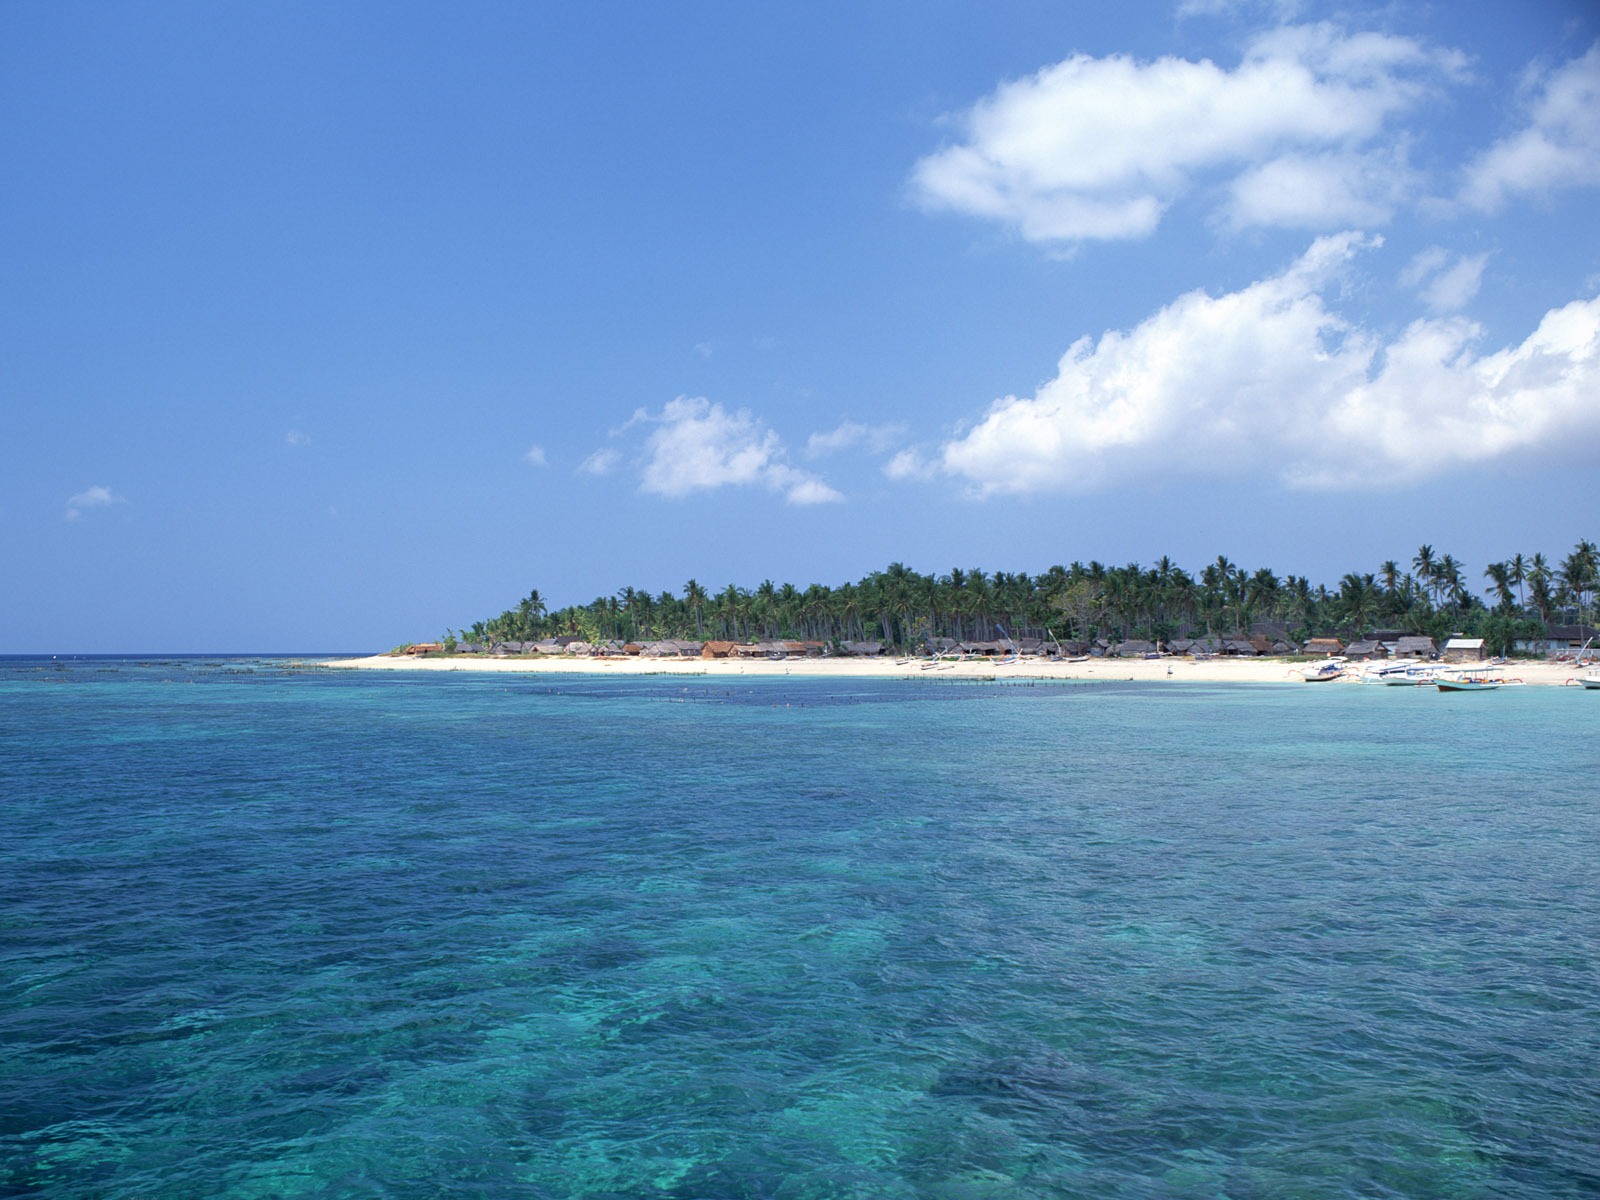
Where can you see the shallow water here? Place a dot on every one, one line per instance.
(275, 933)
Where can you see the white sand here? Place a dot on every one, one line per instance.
(1178, 670)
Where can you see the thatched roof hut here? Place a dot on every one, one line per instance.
(1415, 647)
(861, 649)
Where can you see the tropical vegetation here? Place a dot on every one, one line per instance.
(1432, 594)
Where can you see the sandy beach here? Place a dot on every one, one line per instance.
(1176, 670)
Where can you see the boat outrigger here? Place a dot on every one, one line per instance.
(1474, 681)
(1325, 671)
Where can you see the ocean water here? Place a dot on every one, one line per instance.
(270, 932)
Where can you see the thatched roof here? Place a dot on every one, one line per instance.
(861, 649)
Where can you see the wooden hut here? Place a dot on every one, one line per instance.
(1414, 646)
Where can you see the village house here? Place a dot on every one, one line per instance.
(1560, 641)
(861, 649)
(1415, 646)
(1464, 649)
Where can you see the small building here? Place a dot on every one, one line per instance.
(420, 648)
(1324, 646)
(717, 649)
(1365, 650)
(1134, 648)
(861, 649)
(672, 648)
(1463, 649)
(1561, 641)
(1415, 646)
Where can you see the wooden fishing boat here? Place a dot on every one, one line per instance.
(1324, 672)
(1474, 682)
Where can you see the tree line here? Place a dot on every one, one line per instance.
(1433, 595)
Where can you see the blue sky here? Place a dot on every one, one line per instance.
(330, 326)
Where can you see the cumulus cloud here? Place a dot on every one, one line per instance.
(601, 462)
(1446, 283)
(97, 496)
(1098, 148)
(697, 446)
(296, 438)
(910, 464)
(535, 456)
(1558, 147)
(1271, 379)
(876, 439)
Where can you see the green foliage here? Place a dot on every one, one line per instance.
(904, 607)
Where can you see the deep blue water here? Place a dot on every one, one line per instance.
(279, 933)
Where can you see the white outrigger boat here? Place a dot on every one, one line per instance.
(1474, 681)
(1399, 674)
(1325, 671)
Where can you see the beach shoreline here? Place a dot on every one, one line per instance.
(1104, 670)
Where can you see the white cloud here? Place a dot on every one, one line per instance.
(296, 438)
(601, 462)
(1319, 191)
(700, 446)
(1269, 380)
(1559, 147)
(97, 496)
(909, 464)
(535, 456)
(875, 438)
(704, 349)
(1444, 285)
(1100, 147)
(1283, 10)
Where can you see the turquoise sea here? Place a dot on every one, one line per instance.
(274, 932)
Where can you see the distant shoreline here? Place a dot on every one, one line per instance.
(1108, 670)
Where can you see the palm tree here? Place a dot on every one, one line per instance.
(1448, 576)
(1580, 575)
(1358, 595)
(1499, 574)
(1517, 571)
(1425, 567)
(695, 597)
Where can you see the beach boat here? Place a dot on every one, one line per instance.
(1396, 674)
(1408, 678)
(1324, 672)
(1480, 681)
(1591, 681)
